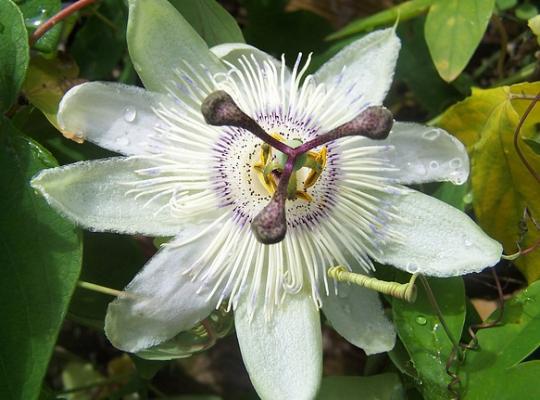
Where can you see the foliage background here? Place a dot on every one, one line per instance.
(468, 66)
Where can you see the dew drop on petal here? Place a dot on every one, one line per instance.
(130, 114)
(420, 320)
(467, 243)
(347, 309)
(456, 163)
(434, 164)
(432, 134)
(411, 268)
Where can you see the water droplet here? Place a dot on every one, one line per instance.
(420, 320)
(411, 268)
(347, 309)
(468, 198)
(467, 243)
(456, 163)
(130, 114)
(432, 134)
(434, 164)
(36, 20)
(122, 141)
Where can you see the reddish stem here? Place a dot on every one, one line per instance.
(60, 16)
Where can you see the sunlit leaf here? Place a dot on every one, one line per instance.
(418, 72)
(14, 53)
(501, 184)
(210, 20)
(40, 259)
(453, 30)
(423, 336)
(377, 387)
(497, 370)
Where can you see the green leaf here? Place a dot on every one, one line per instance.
(453, 30)
(401, 12)
(376, 387)
(501, 185)
(35, 13)
(506, 4)
(423, 336)
(526, 11)
(211, 21)
(106, 25)
(415, 68)
(14, 53)
(497, 370)
(272, 29)
(456, 195)
(40, 258)
(47, 81)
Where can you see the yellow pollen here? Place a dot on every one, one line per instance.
(267, 166)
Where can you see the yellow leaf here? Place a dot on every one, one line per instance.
(502, 186)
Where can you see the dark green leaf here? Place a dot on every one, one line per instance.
(423, 336)
(109, 260)
(100, 45)
(277, 32)
(376, 387)
(497, 370)
(453, 30)
(35, 13)
(210, 20)
(458, 196)
(40, 258)
(14, 53)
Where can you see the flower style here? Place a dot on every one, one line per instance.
(254, 226)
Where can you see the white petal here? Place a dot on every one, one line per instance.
(356, 313)
(160, 41)
(231, 52)
(426, 154)
(93, 194)
(367, 63)
(283, 356)
(437, 239)
(112, 115)
(161, 301)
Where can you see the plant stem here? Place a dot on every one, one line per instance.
(60, 16)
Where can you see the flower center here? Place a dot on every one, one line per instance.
(270, 225)
(306, 171)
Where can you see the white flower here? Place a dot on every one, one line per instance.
(205, 184)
